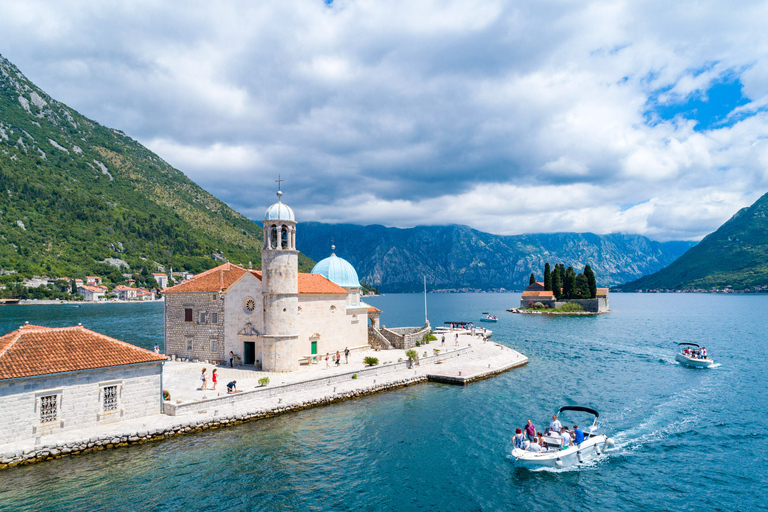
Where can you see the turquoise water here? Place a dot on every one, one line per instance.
(686, 439)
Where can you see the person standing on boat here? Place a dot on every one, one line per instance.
(555, 425)
(519, 439)
(530, 431)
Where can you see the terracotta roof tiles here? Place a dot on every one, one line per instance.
(542, 294)
(33, 350)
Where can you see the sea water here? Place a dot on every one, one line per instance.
(686, 439)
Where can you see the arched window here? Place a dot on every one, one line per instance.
(273, 237)
(284, 237)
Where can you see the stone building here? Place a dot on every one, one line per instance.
(274, 318)
(57, 379)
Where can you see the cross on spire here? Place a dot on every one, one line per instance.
(279, 182)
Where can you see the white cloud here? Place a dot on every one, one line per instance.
(511, 118)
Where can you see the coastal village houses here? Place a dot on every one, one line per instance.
(125, 292)
(162, 279)
(92, 293)
(53, 380)
(272, 318)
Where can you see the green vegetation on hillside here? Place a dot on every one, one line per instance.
(75, 195)
(735, 256)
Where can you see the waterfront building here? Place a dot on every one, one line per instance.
(273, 318)
(161, 278)
(91, 293)
(125, 292)
(54, 380)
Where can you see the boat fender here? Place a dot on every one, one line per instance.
(578, 454)
(559, 463)
(609, 441)
(597, 449)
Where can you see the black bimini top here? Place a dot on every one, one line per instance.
(691, 344)
(579, 409)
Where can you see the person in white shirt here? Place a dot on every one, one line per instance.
(555, 425)
(533, 446)
(566, 438)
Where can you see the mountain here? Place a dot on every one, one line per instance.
(458, 257)
(77, 195)
(736, 256)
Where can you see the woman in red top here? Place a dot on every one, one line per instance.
(213, 378)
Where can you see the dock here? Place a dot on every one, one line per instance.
(472, 371)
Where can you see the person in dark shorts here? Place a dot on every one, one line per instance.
(232, 387)
(346, 355)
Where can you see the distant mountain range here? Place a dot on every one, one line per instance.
(461, 258)
(77, 195)
(736, 256)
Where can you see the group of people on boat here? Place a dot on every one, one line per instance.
(555, 437)
(697, 353)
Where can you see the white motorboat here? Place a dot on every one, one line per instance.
(488, 317)
(558, 456)
(689, 358)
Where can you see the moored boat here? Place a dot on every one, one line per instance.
(556, 455)
(689, 357)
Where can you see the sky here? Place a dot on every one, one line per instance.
(644, 117)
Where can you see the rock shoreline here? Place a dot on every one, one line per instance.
(187, 425)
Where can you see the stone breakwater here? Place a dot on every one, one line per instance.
(187, 425)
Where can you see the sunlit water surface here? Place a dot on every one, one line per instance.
(686, 439)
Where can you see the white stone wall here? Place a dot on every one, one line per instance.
(79, 400)
(236, 316)
(327, 316)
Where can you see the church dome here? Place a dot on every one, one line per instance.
(338, 270)
(279, 211)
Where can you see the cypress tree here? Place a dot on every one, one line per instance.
(581, 287)
(591, 281)
(533, 279)
(557, 282)
(568, 282)
(547, 277)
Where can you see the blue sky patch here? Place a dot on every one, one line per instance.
(708, 108)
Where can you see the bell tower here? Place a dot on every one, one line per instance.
(280, 288)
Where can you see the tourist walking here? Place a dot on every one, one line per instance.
(530, 431)
(214, 378)
(338, 358)
(202, 378)
(442, 342)
(456, 340)
(346, 355)
(231, 358)
(326, 361)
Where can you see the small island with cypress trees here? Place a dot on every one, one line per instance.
(564, 292)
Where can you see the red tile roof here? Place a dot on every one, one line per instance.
(602, 292)
(542, 294)
(372, 309)
(219, 279)
(34, 350)
(94, 289)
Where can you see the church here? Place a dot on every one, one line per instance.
(273, 318)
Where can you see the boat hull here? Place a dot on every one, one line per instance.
(695, 363)
(488, 320)
(571, 456)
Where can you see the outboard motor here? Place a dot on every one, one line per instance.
(559, 463)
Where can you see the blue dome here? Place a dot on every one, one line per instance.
(338, 270)
(279, 211)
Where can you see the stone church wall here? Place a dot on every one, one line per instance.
(238, 316)
(79, 400)
(201, 340)
(327, 316)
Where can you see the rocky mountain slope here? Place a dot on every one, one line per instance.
(736, 255)
(458, 257)
(76, 195)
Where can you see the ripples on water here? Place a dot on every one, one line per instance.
(685, 439)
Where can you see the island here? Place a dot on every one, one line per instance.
(563, 292)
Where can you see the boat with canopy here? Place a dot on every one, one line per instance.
(690, 355)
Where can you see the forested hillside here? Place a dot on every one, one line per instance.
(75, 195)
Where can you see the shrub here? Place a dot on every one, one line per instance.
(530, 303)
(436, 350)
(354, 376)
(539, 305)
(263, 381)
(371, 361)
(411, 354)
(418, 343)
(569, 307)
(429, 336)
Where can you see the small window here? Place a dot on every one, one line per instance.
(214, 318)
(48, 408)
(189, 345)
(188, 314)
(214, 346)
(202, 317)
(109, 400)
(215, 297)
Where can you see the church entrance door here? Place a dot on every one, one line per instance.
(314, 347)
(249, 352)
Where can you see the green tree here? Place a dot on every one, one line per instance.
(568, 283)
(547, 277)
(581, 287)
(74, 287)
(592, 282)
(533, 279)
(557, 282)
